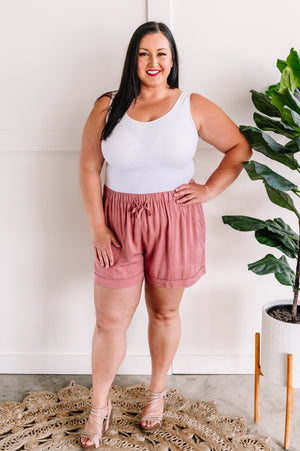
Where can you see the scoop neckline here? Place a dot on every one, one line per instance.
(160, 117)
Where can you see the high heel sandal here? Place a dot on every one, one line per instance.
(107, 415)
(151, 398)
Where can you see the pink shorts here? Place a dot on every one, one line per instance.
(160, 239)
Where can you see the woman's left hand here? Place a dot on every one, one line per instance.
(191, 193)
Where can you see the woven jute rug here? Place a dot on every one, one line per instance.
(52, 421)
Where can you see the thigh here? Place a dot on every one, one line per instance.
(116, 304)
(128, 267)
(162, 300)
(175, 244)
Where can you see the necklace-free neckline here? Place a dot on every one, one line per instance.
(158, 118)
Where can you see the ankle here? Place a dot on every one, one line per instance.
(157, 388)
(99, 402)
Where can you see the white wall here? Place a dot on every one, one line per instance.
(59, 56)
(226, 49)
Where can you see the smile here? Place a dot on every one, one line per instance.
(152, 73)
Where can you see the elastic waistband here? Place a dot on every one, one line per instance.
(167, 196)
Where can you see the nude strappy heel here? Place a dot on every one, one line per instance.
(107, 415)
(152, 398)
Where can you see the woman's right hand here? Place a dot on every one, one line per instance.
(102, 239)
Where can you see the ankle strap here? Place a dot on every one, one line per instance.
(158, 395)
(98, 410)
(101, 413)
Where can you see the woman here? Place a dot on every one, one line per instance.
(150, 220)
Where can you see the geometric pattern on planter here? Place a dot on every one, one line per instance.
(278, 339)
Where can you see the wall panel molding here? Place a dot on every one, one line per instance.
(132, 364)
(67, 364)
(213, 364)
(68, 140)
(56, 61)
(61, 140)
(40, 140)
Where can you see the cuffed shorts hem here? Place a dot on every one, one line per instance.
(176, 283)
(119, 283)
(131, 281)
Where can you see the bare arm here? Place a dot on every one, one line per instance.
(216, 128)
(90, 166)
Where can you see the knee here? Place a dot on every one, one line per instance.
(164, 315)
(110, 324)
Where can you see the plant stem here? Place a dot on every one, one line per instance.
(296, 290)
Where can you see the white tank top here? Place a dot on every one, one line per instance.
(155, 156)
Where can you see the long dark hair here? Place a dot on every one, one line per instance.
(130, 83)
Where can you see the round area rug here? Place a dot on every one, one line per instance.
(47, 421)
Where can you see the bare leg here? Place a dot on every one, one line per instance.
(164, 331)
(114, 309)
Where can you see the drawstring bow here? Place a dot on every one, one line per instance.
(138, 208)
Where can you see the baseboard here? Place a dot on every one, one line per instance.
(132, 364)
(213, 364)
(67, 364)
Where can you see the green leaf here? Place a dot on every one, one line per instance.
(281, 199)
(285, 98)
(270, 264)
(285, 235)
(289, 80)
(281, 64)
(243, 223)
(281, 242)
(274, 233)
(249, 224)
(280, 227)
(258, 171)
(266, 145)
(290, 77)
(265, 123)
(296, 118)
(294, 144)
(297, 93)
(292, 118)
(272, 88)
(295, 100)
(286, 278)
(263, 104)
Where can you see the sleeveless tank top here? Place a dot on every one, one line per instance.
(155, 156)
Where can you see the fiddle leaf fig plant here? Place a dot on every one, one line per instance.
(279, 112)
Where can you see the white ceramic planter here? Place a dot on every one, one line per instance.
(277, 340)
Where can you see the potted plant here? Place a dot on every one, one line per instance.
(280, 108)
(279, 112)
